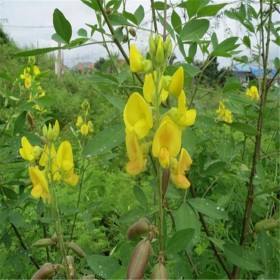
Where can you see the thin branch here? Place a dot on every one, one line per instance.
(154, 16)
(116, 41)
(214, 248)
(33, 260)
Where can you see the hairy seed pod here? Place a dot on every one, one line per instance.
(31, 120)
(76, 249)
(139, 260)
(267, 224)
(159, 272)
(138, 228)
(44, 272)
(70, 264)
(44, 242)
(54, 237)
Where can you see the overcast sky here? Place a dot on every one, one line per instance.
(29, 23)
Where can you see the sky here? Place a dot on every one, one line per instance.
(29, 23)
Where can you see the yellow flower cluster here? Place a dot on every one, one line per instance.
(47, 164)
(31, 81)
(223, 113)
(147, 128)
(82, 123)
(253, 93)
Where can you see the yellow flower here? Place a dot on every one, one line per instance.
(137, 116)
(90, 126)
(36, 70)
(65, 163)
(167, 142)
(80, 121)
(180, 115)
(84, 129)
(28, 152)
(40, 184)
(253, 93)
(26, 77)
(177, 82)
(137, 162)
(178, 170)
(149, 87)
(136, 60)
(223, 113)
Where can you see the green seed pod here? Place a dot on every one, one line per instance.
(159, 272)
(138, 228)
(44, 242)
(109, 11)
(76, 249)
(267, 224)
(132, 32)
(139, 260)
(45, 272)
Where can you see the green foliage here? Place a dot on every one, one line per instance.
(234, 164)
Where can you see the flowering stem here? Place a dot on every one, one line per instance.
(56, 216)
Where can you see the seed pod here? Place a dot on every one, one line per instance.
(139, 260)
(138, 228)
(44, 272)
(44, 242)
(109, 11)
(165, 181)
(132, 31)
(76, 249)
(267, 224)
(31, 120)
(159, 272)
(70, 264)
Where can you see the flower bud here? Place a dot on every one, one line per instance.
(159, 272)
(45, 272)
(44, 242)
(138, 228)
(167, 46)
(132, 32)
(76, 249)
(148, 66)
(139, 260)
(160, 60)
(152, 45)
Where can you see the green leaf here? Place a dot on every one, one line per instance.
(176, 22)
(232, 84)
(160, 6)
(192, 52)
(191, 70)
(214, 40)
(82, 32)
(62, 26)
(210, 10)
(16, 219)
(37, 52)
(225, 46)
(276, 63)
(215, 168)
(103, 266)
(208, 207)
(181, 47)
(139, 14)
(140, 196)
(92, 4)
(105, 140)
(193, 6)
(129, 16)
(245, 128)
(247, 42)
(118, 19)
(179, 241)
(241, 257)
(19, 122)
(265, 248)
(234, 15)
(194, 30)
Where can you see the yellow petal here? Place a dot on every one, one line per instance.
(40, 184)
(138, 116)
(177, 82)
(149, 87)
(136, 59)
(47, 154)
(80, 121)
(84, 129)
(71, 178)
(136, 162)
(65, 156)
(26, 151)
(167, 139)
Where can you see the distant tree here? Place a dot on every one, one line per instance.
(4, 37)
(99, 62)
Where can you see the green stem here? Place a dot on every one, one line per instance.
(56, 216)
